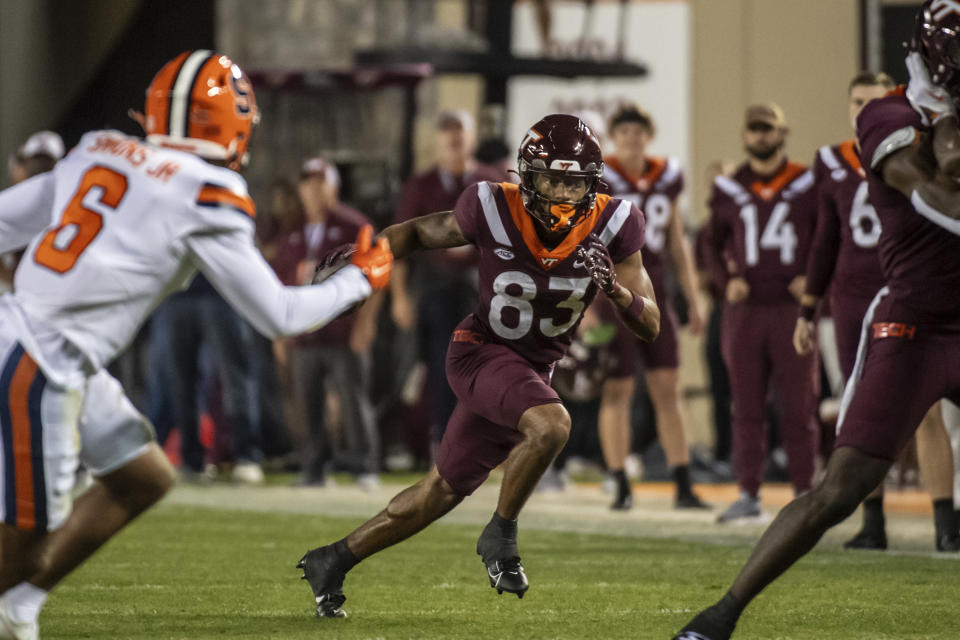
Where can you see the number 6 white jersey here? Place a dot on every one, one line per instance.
(120, 224)
(532, 298)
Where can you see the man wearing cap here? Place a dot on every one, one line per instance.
(337, 351)
(443, 282)
(38, 155)
(762, 223)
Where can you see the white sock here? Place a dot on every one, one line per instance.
(24, 602)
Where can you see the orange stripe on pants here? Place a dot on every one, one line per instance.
(22, 453)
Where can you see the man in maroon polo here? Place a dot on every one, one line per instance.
(432, 292)
(337, 352)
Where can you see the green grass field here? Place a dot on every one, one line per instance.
(202, 572)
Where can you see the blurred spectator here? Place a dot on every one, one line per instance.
(279, 418)
(284, 216)
(337, 352)
(180, 327)
(713, 285)
(653, 184)
(38, 154)
(761, 227)
(713, 282)
(443, 282)
(496, 153)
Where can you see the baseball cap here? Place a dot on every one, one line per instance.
(766, 113)
(455, 118)
(317, 165)
(45, 143)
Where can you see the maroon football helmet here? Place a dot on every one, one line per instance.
(559, 146)
(937, 39)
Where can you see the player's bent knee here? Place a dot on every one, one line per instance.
(546, 426)
(143, 481)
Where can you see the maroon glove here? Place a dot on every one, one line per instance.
(334, 261)
(599, 264)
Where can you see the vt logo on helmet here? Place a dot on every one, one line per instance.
(560, 164)
(203, 103)
(937, 39)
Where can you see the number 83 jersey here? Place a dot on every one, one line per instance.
(532, 298)
(765, 224)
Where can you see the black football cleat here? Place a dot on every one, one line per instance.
(949, 542)
(876, 540)
(623, 502)
(326, 580)
(707, 625)
(690, 501)
(502, 561)
(508, 575)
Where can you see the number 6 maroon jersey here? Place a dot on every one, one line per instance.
(848, 230)
(532, 298)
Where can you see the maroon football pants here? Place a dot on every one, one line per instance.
(848, 310)
(758, 350)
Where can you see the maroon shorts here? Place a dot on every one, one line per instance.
(662, 353)
(903, 369)
(494, 387)
(848, 310)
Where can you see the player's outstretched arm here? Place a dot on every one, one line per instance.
(628, 285)
(433, 231)
(237, 270)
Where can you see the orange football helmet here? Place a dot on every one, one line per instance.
(203, 103)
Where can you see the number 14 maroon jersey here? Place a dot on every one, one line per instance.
(532, 298)
(766, 223)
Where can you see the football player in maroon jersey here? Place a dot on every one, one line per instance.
(546, 247)
(908, 354)
(653, 184)
(844, 259)
(762, 222)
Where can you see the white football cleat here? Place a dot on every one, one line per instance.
(12, 630)
(248, 473)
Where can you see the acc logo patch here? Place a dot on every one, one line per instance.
(504, 254)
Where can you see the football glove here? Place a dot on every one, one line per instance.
(375, 261)
(333, 262)
(931, 101)
(599, 265)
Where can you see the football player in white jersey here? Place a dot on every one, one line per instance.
(118, 225)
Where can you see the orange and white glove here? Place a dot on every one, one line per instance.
(375, 261)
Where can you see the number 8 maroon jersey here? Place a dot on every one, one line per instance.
(531, 298)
